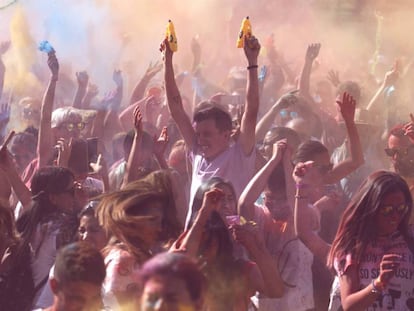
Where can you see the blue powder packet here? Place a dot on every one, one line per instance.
(45, 46)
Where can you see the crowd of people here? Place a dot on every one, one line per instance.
(278, 191)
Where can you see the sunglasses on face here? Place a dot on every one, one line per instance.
(73, 126)
(284, 113)
(391, 152)
(390, 209)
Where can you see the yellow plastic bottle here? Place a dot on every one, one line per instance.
(245, 31)
(171, 37)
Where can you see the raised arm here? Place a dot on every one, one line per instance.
(256, 186)
(100, 168)
(125, 116)
(268, 281)
(311, 53)
(303, 214)
(4, 46)
(91, 92)
(160, 145)
(190, 244)
(390, 78)
(266, 122)
(344, 168)
(248, 121)
(82, 78)
(174, 98)
(9, 169)
(45, 144)
(139, 90)
(111, 122)
(135, 158)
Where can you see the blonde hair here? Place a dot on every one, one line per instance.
(63, 114)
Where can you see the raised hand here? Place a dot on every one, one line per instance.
(53, 64)
(333, 77)
(165, 49)
(153, 69)
(388, 266)
(347, 107)
(83, 78)
(161, 143)
(409, 128)
(313, 51)
(279, 148)
(212, 200)
(305, 173)
(64, 149)
(251, 49)
(392, 76)
(117, 77)
(138, 126)
(99, 167)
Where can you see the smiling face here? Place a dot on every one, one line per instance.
(401, 152)
(211, 141)
(228, 204)
(390, 213)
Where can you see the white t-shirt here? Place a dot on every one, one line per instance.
(294, 264)
(232, 165)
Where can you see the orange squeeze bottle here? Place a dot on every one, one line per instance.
(171, 37)
(245, 31)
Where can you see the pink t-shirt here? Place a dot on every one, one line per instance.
(399, 294)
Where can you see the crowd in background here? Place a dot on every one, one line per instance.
(285, 187)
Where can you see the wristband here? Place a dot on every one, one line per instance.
(252, 67)
(377, 289)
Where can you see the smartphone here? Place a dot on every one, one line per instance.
(78, 160)
(233, 220)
